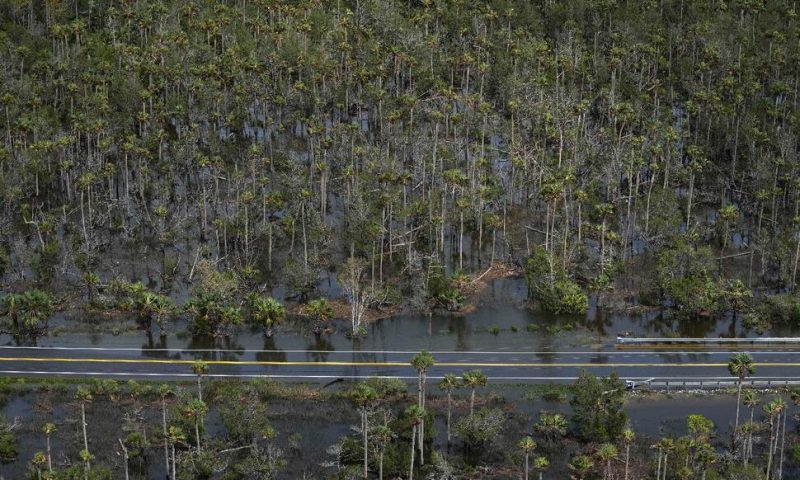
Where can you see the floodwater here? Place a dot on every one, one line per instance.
(502, 321)
(307, 427)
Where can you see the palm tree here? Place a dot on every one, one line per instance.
(473, 379)
(164, 392)
(124, 457)
(199, 368)
(86, 458)
(740, 366)
(176, 436)
(161, 308)
(320, 310)
(627, 437)
(38, 461)
(48, 430)
(663, 446)
(196, 410)
(382, 436)
(551, 426)
(35, 307)
(581, 465)
(84, 397)
(267, 312)
(750, 400)
(91, 280)
(774, 410)
(363, 395)
(10, 308)
(415, 415)
(422, 362)
(541, 464)
(605, 453)
(448, 384)
(527, 445)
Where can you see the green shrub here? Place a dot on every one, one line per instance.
(549, 284)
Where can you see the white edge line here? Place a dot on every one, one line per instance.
(403, 352)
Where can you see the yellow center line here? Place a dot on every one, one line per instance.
(372, 364)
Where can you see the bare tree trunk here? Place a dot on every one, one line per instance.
(380, 466)
(413, 448)
(783, 447)
(364, 428)
(197, 433)
(49, 456)
(736, 422)
(658, 469)
(627, 458)
(164, 429)
(124, 458)
(83, 426)
(174, 463)
(472, 402)
(526, 466)
(449, 412)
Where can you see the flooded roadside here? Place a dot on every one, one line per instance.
(309, 424)
(502, 320)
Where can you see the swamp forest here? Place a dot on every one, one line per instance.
(399, 239)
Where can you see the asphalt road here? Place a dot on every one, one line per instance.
(676, 366)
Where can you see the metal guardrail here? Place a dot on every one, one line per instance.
(708, 341)
(707, 383)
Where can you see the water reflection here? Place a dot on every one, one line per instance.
(214, 348)
(157, 349)
(319, 348)
(273, 354)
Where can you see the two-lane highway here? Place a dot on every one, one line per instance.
(690, 365)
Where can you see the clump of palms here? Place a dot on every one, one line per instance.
(28, 312)
(320, 311)
(267, 313)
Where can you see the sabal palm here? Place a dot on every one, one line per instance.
(37, 306)
(382, 436)
(581, 465)
(627, 437)
(473, 379)
(448, 384)
(774, 410)
(551, 426)
(84, 397)
(165, 391)
(48, 430)
(541, 464)
(196, 410)
(10, 308)
(421, 363)
(740, 366)
(415, 415)
(200, 368)
(175, 437)
(606, 452)
(751, 400)
(527, 445)
(363, 395)
(267, 312)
